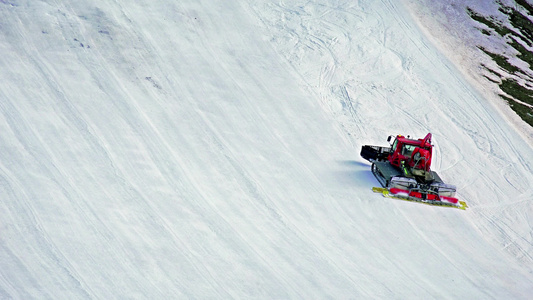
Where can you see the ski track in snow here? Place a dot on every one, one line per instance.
(211, 150)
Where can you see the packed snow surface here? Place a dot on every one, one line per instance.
(210, 149)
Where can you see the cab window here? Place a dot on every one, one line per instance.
(393, 147)
(408, 150)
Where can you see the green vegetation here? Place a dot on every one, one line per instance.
(519, 38)
(512, 88)
(523, 53)
(520, 22)
(526, 6)
(501, 61)
(491, 71)
(525, 112)
(489, 22)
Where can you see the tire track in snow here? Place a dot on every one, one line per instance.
(33, 145)
(253, 187)
(250, 185)
(332, 45)
(33, 233)
(101, 145)
(170, 171)
(453, 262)
(73, 118)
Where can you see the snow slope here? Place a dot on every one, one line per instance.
(210, 149)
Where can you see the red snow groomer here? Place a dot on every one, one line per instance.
(403, 170)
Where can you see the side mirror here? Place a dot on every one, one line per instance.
(388, 139)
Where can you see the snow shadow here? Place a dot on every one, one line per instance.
(355, 173)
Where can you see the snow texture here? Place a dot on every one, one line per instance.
(210, 150)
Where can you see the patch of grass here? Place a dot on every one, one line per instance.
(506, 98)
(520, 22)
(514, 89)
(523, 53)
(485, 31)
(525, 112)
(489, 22)
(514, 38)
(501, 61)
(490, 79)
(525, 5)
(492, 71)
